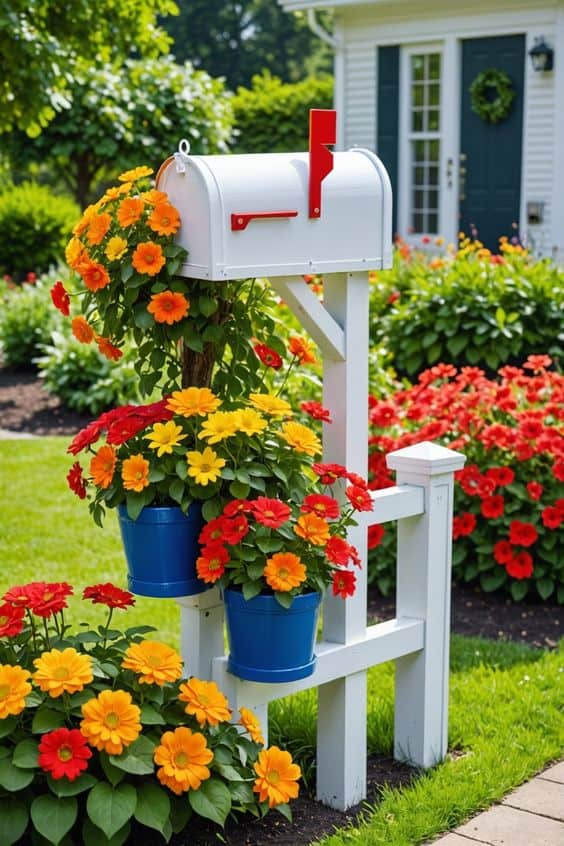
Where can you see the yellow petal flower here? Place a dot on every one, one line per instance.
(14, 687)
(164, 437)
(300, 438)
(204, 466)
(205, 701)
(111, 721)
(62, 672)
(271, 405)
(193, 401)
(219, 426)
(154, 662)
(249, 421)
(116, 248)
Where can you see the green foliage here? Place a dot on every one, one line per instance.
(120, 116)
(44, 44)
(273, 116)
(35, 225)
(468, 309)
(26, 322)
(82, 377)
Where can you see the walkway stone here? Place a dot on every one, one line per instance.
(539, 796)
(8, 435)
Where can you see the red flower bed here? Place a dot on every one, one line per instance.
(509, 498)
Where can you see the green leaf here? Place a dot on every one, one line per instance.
(207, 305)
(238, 490)
(212, 800)
(26, 754)
(241, 792)
(53, 817)
(251, 589)
(64, 787)
(211, 509)
(153, 806)
(429, 339)
(110, 808)
(113, 774)
(229, 772)
(180, 812)
(176, 490)
(126, 271)
(492, 581)
(456, 344)
(518, 590)
(135, 503)
(13, 778)
(136, 759)
(150, 716)
(286, 811)
(92, 835)
(143, 318)
(47, 720)
(545, 587)
(7, 726)
(13, 820)
(284, 599)
(255, 571)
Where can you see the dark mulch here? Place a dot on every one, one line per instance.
(27, 408)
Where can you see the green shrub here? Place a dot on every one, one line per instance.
(273, 116)
(27, 319)
(35, 225)
(470, 308)
(83, 379)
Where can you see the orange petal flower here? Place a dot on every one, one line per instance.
(111, 721)
(300, 438)
(154, 662)
(74, 252)
(168, 307)
(153, 197)
(312, 528)
(251, 724)
(135, 173)
(277, 777)
(164, 219)
(182, 757)
(98, 227)
(62, 672)
(82, 330)
(135, 472)
(94, 274)
(14, 687)
(205, 701)
(108, 349)
(301, 348)
(284, 571)
(130, 210)
(191, 401)
(102, 466)
(148, 258)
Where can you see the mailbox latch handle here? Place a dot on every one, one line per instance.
(241, 220)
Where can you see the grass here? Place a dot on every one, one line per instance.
(506, 700)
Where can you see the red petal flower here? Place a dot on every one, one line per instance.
(236, 506)
(211, 564)
(503, 552)
(323, 506)
(60, 298)
(534, 489)
(85, 438)
(11, 619)
(501, 475)
(329, 473)
(234, 529)
(64, 753)
(268, 356)
(463, 524)
(344, 583)
(551, 517)
(375, 536)
(270, 512)
(520, 566)
(359, 498)
(76, 481)
(317, 411)
(108, 594)
(492, 506)
(338, 551)
(47, 598)
(522, 534)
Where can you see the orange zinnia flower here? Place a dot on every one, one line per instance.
(148, 258)
(277, 777)
(193, 401)
(62, 672)
(251, 724)
(102, 466)
(164, 219)
(108, 349)
(130, 210)
(168, 307)
(14, 687)
(153, 197)
(312, 528)
(135, 173)
(284, 571)
(301, 348)
(154, 662)
(98, 227)
(135, 472)
(205, 701)
(95, 275)
(182, 756)
(82, 330)
(111, 721)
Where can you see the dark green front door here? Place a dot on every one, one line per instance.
(490, 160)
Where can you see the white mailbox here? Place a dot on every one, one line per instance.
(281, 214)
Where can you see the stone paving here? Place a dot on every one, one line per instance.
(532, 815)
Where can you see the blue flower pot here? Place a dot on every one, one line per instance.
(269, 643)
(161, 548)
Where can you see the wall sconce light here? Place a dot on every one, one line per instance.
(542, 56)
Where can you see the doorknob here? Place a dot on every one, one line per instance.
(462, 178)
(449, 167)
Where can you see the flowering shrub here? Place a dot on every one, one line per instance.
(509, 498)
(99, 729)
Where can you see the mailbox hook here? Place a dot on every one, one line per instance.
(181, 157)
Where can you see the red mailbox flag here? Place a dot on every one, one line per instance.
(322, 131)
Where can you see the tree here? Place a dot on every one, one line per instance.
(44, 42)
(239, 38)
(125, 116)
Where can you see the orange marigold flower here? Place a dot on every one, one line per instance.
(154, 662)
(98, 227)
(62, 672)
(302, 350)
(102, 466)
(153, 197)
(135, 173)
(111, 721)
(312, 528)
(205, 701)
(148, 258)
(84, 222)
(82, 330)
(108, 349)
(14, 687)
(284, 571)
(277, 777)
(168, 307)
(251, 724)
(164, 219)
(182, 757)
(135, 473)
(94, 274)
(130, 210)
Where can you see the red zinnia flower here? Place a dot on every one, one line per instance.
(501, 475)
(108, 594)
(462, 525)
(375, 535)
(211, 564)
(85, 438)
(534, 489)
(323, 506)
(268, 356)
(503, 552)
(537, 363)
(270, 512)
(338, 551)
(317, 411)
(11, 619)
(530, 428)
(76, 481)
(520, 566)
(357, 480)
(551, 517)
(236, 506)
(60, 297)
(329, 473)
(383, 414)
(359, 498)
(234, 530)
(492, 506)
(344, 583)
(211, 532)
(64, 753)
(558, 470)
(120, 431)
(46, 598)
(522, 534)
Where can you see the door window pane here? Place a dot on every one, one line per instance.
(424, 144)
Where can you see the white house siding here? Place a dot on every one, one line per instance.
(363, 28)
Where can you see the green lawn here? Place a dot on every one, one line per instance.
(507, 701)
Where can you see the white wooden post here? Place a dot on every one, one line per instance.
(201, 632)
(423, 591)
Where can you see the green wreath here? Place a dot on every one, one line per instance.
(497, 109)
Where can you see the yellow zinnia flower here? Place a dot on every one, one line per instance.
(14, 687)
(182, 757)
(250, 421)
(115, 249)
(135, 473)
(192, 401)
(62, 672)
(165, 436)
(219, 426)
(111, 721)
(271, 405)
(204, 466)
(154, 662)
(251, 724)
(277, 777)
(135, 173)
(205, 701)
(301, 438)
